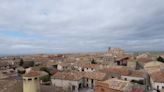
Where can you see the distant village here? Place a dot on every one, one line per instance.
(110, 71)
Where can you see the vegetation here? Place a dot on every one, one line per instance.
(28, 64)
(45, 78)
(45, 69)
(21, 71)
(160, 59)
(138, 82)
(93, 61)
(21, 62)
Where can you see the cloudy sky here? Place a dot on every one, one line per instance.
(59, 26)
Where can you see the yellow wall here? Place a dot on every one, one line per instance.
(31, 85)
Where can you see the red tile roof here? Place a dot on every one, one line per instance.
(137, 90)
(124, 72)
(95, 75)
(68, 75)
(32, 74)
(137, 73)
(120, 71)
(158, 76)
(144, 60)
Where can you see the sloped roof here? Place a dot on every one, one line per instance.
(158, 76)
(124, 72)
(68, 75)
(95, 75)
(119, 84)
(32, 74)
(154, 64)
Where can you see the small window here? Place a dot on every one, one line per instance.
(92, 81)
(87, 80)
(157, 87)
(125, 79)
(30, 79)
(36, 78)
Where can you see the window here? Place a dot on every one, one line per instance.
(30, 79)
(162, 87)
(92, 81)
(157, 87)
(36, 78)
(125, 79)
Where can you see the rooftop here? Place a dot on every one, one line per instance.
(68, 75)
(32, 74)
(95, 75)
(124, 71)
(158, 76)
(117, 84)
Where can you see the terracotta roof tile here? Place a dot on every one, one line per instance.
(124, 72)
(158, 76)
(95, 75)
(137, 73)
(137, 90)
(120, 71)
(68, 75)
(32, 74)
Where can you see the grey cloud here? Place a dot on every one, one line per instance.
(83, 25)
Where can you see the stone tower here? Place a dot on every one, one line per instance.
(31, 82)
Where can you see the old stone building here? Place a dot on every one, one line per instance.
(71, 81)
(113, 85)
(90, 78)
(157, 81)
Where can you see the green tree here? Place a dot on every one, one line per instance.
(21, 62)
(45, 69)
(45, 78)
(160, 59)
(93, 61)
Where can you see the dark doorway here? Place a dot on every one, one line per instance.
(73, 88)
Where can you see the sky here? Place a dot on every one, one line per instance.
(65, 26)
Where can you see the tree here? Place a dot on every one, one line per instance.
(138, 82)
(45, 78)
(45, 69)
(93, 61)
(28, 64)
(160, 59)
(21, 62)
